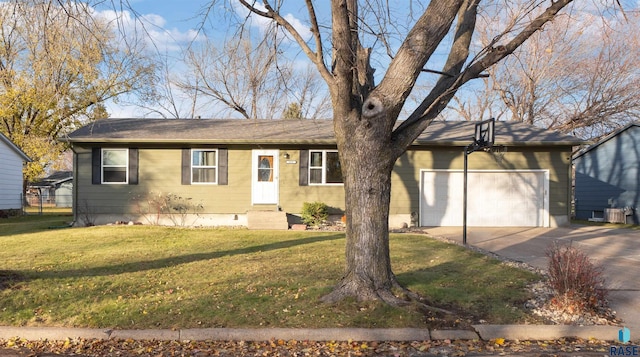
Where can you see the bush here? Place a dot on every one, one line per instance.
(577, 282)
(154, 206)
(314, 213)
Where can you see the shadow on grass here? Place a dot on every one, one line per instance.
(32, 224)
(167, 262)
(471, 291)
(9, 277)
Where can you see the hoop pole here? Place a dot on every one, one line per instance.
(464, 197)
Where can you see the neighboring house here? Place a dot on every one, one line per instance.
(54, 190)
(607, 177)
(233, 169)
(12, 161)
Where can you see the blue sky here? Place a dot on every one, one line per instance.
(180, 20)
(180, 15)
(173, 24)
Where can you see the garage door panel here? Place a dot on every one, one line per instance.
(495, 198)
(441, 188)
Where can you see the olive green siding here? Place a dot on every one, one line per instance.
(405, 191)
(292, 195)
(160, 173)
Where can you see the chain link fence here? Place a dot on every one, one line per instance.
(41, 202)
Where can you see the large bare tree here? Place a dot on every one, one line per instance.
(248, 79)
(350, 42)
(579, 75)
(348, 39)
(366, 110)
(58, 65)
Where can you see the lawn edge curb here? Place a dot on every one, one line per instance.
(480, 332)
(546, 332)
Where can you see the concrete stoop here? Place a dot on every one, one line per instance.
(269, 220)
(482, 332)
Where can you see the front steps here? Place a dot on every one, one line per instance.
(267, 220)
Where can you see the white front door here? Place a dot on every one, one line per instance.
(264, 187)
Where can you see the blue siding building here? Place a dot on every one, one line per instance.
(607, 176)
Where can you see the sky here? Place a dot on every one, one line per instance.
(173, 24)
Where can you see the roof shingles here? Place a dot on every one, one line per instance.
(292, 132)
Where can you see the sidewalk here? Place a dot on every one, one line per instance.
(480, 332)
(617, 250)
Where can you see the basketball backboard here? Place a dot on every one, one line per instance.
(485, 133)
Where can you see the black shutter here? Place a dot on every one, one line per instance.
(133, 166)
(96, 165)
(186, 166)
(304, 167)
(223, 167)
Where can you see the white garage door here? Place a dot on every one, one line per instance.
(494, 198)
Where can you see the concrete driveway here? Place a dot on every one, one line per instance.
(617, 250)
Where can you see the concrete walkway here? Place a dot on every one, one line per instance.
(483, 332)
(617, 250)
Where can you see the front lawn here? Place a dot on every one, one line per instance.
(161, 277)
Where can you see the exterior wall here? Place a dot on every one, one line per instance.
(405, 194)
(608, 176)
(292, 195)
(160, 173)
(10, 178)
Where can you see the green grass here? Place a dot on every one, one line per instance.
(58, 211)
(160, 277)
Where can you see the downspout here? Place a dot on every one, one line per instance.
(74, 191)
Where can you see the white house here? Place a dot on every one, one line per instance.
(12, 160)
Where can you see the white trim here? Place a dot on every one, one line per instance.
(323, 168)
(15, 148)
(257, 188)
(126, 166)
(191, 167)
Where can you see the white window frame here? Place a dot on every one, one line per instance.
(192, 166)
(103, 166)
(323, 168)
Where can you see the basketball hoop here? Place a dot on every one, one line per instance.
(484, 136)
(483, 139)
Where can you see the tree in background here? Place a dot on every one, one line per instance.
(366, 107)
(580, 75)
(57, 68)
(250, 79)
(292, 111)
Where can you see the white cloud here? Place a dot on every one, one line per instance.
(263, 24)
(151, 27)
(302, 29)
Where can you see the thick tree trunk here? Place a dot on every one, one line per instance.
(367, 165)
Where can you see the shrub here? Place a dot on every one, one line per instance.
(314, 213)
(577, 282)
(153, 206)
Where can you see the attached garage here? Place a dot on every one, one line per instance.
(525, 181)
(496, 198)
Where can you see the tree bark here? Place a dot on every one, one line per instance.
(365, 114)
(367, 166)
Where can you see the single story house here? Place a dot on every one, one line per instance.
(53, 190)
(12, 161)
(225, 172)
(607, 177)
